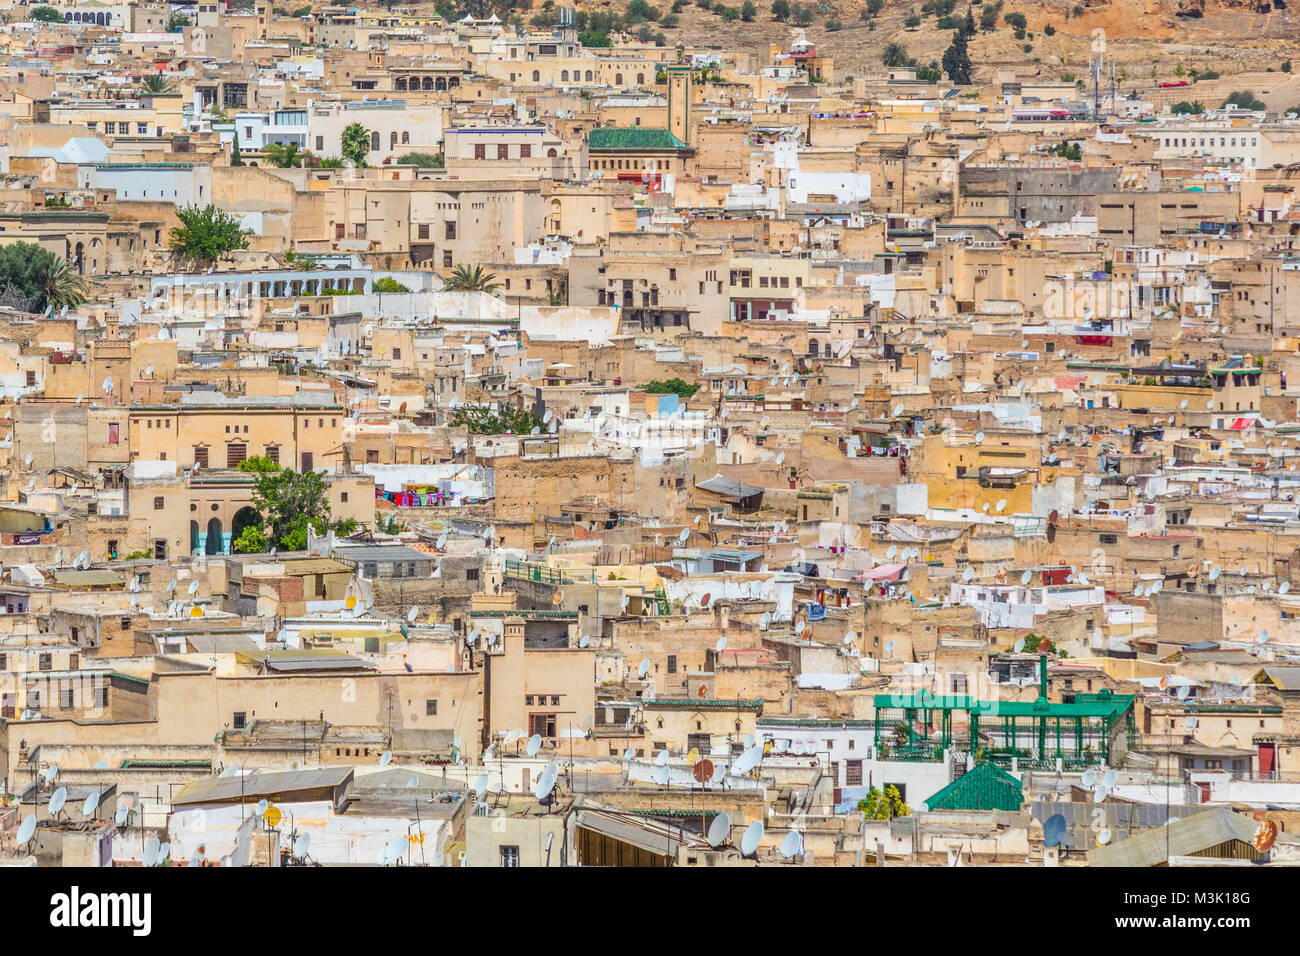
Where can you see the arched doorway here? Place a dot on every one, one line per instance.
(195, 547)
(245, 517)
(215, 543)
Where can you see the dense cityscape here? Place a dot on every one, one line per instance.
(676, 435)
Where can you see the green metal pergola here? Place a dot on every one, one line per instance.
(1081, 734)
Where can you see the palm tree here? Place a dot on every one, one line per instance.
(63, 285)
(285, 155)
(894, 55)
(356, 144)
(156, 83)
(466, 279)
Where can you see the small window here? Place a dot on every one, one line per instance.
(158, 503)
(431, 708)
(510, 856)
(853, 773)
(240, 719)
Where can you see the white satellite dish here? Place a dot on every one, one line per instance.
(1103, 837)
(662, 775)
(151, 851)
(193, 588)
(643, 668)
(752, 838)
(893, 550)
(1089, 777)
(1001, 505)
(26, 830)
(979, 438)
(720, 645)
(385, 758)
(584, 641)
(1026, 577)
(898, 409)
(412, 614)
(120, 816)
(1284, 587)
(57, 799)
(545, 784)
(719, 830)
(100, 765)
(534, 745)
(480, 785)
(889, 647)
(765, 620)
(849, 637)
(791, 844)
(968, 574)
(301, 845)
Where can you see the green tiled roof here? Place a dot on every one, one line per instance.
(633, 138)
(986, 787)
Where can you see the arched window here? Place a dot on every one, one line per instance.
(392, 139)
(589, 76)
(618, 79)
(640, 79)
(406, 137)
(551, 153)
(537, 76)
(374, 139)
(564, 76)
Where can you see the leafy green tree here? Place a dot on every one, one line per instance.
(252, 540)
(912, 22)
(1070, 151)
(288, 502)
(258, 465)
(873, 7)
(1049, 30)
(389, 284)
(748, 11)
(595, 39)
(884, 806)
(285, 155)
(833, 25)
(803, 15)
(674, 386)
(178, 22)
(206, 234)
(1016, 20)
(356, 144)
(969, 29)
(45, 14)
(1245, 100)
(481, 420)
(33, 278)
(956, 60)
(471, 279)
(780, 10)
(236, 158)
(329, 162)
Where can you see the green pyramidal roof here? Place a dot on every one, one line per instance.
(986, 787)
(633, 138)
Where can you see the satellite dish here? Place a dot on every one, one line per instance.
(1191, 722)
(800, 627)
(261, 808)
(108, 385)
(1089, 777)
(545, 784)
(1214, 573)
(148, 371)
(979, 438)
(893, 550)
(301, 844)
(120, 816)
(898, 409)
(1001, 505)
(752, 838)
(1054, 830)
(661, 758)
(51, 772)
(584, 641)
(889, 647)
(662, 775)
(26, 829)
(193, 588)
(100, 765)
(780, 458)
(791, 844)
(1103, 837)
(1183, 403)
(1019, 646)
(534, 745)
(968, 574)
(442, 541)
(385, 758)
(1026, 577)
(629, 753)
(480, 785)
(765, 620)
(412, 614)
(151, 851)
(720, 645)
(1108, 779)
(1284, 587)
(57, 799)
(164, 851)
(28, 460)
(849, 637)
(643, 668)
(719, 830)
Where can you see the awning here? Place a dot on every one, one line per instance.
(1242, 423)
(729, 488)
(885, 572)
